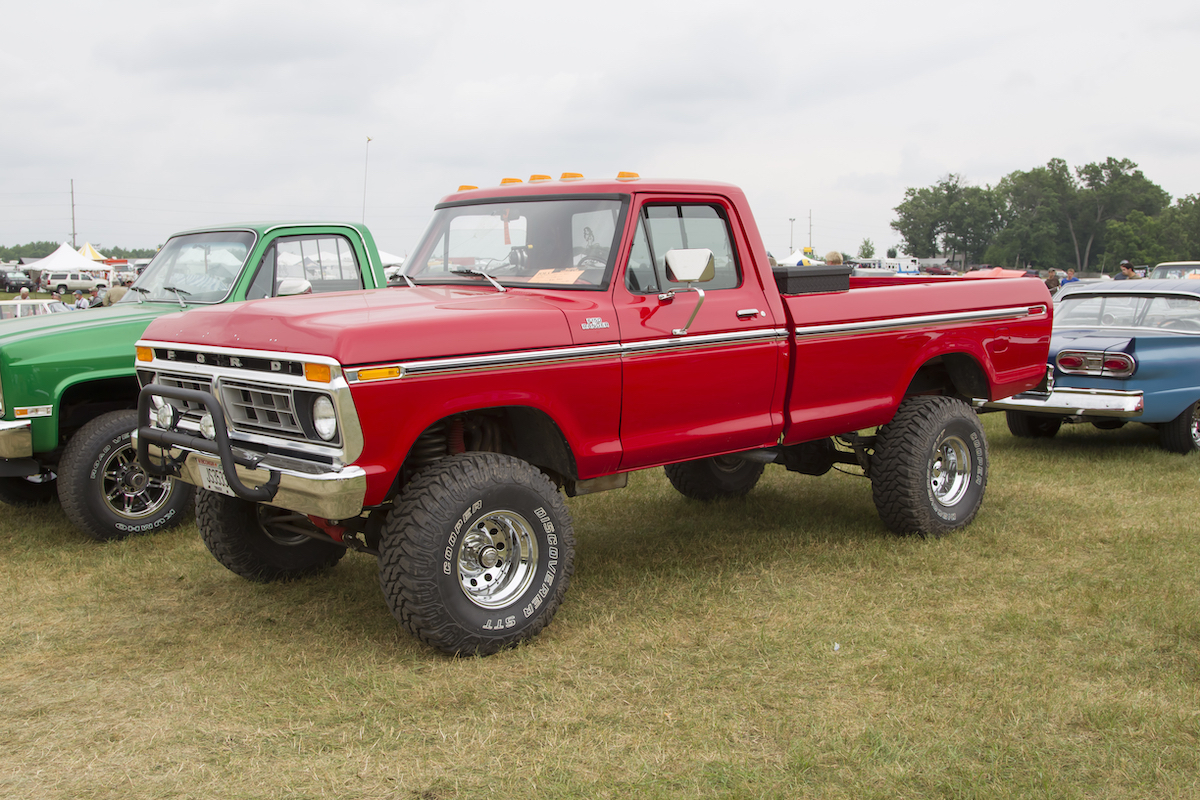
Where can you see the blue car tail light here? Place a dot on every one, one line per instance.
(1096, 363)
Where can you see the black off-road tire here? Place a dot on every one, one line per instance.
(477, 554)
(104, 490)
(713, 478)
(1182, 434)
(1108, 424)
(929, 470)
(1032, 426)
(33, 491)
(260, 542)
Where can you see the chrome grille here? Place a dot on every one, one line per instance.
(255, 408)
(190, 408)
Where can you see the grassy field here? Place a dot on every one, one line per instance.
(782, 646)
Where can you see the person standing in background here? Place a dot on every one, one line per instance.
(115, 293)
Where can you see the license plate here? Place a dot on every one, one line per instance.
(212, 477)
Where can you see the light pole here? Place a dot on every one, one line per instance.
(792, 239)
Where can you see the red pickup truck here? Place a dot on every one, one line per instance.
(551, 337)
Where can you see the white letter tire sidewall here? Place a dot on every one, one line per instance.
(423, 549)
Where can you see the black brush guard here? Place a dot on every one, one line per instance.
(171, 439)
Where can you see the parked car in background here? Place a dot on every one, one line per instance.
(1176, 269)
(15, 280)
(1121, 351)
(12, 309)
(939, 269)
(63, 282)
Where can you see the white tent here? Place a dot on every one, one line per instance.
(65, 259)
(389, 260)
(798, 259)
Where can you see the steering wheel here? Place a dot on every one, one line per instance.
(1107, 319)
(591, 262)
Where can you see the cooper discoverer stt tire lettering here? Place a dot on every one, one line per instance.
(477, 554)
(929, 470)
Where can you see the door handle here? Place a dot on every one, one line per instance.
(747, 313)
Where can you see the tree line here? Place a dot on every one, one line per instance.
(43, 249)
(1091, 218)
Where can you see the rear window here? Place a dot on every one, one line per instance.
(1170, 312)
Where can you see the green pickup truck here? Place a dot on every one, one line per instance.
(68, 389)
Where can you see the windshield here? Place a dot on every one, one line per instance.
(200, 267)
(1175, 312)
(1176, 271)
(564, 243)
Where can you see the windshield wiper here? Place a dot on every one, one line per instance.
(141, 291)
(180, 293)
(481, 273)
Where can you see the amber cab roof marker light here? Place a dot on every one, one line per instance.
(537, 178)
(466, 187)
(510, 180)
(571, 176)
(628, 176)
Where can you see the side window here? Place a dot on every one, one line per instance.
(639, 275)
(669, 227)
(264, 279)
(327, 262)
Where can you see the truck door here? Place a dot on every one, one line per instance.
(708, 390)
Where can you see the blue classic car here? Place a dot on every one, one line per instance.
(1121, 352)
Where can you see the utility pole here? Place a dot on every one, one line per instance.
(792, 240)
(366, 158)
(73, 215)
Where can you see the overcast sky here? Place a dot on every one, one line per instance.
(173, 115)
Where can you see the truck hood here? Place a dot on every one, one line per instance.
(43, 325)
(366, 327)
(91, 337)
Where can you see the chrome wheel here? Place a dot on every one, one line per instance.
(128, 490)
(497, 558)
(950, 474)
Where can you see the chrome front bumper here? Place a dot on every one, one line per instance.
(16, 439)
(321, 489)
(331, 494)
(1075, 403)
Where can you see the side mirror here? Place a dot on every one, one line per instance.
(691, 265)
(292, 286)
